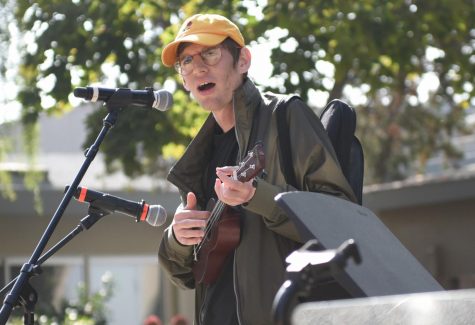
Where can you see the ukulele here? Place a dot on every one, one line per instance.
(222, 231)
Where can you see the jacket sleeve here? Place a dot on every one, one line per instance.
(315, 165)
(176, 259)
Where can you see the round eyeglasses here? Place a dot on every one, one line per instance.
(210, 56)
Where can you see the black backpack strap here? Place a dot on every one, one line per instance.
(339, 120)
(283, 140)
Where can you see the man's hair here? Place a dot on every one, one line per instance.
(233, 48)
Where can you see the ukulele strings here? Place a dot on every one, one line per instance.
(215, 214)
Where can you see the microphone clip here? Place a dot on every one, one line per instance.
(121, 98)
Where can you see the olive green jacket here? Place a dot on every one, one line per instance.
(267, 235)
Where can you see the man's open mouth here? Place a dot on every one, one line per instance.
(206, 86)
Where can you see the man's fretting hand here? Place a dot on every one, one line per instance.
(231, 191)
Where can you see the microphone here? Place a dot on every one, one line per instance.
(154, 215)
(160, 99)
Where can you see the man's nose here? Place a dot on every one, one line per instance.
(198, 64)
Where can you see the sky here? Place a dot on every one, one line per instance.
(8, 110)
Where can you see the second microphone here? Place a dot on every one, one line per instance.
(160, 99)
(154, 215)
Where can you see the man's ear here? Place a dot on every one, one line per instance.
(244, 62)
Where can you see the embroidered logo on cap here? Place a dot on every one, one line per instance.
(187, 27)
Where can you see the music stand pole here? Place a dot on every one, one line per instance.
(309, 265)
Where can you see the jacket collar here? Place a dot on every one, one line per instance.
(246, 101)
(187, 172)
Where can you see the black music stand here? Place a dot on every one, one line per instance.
(387, 267)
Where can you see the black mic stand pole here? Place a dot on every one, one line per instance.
(94, 215)
(121, 98)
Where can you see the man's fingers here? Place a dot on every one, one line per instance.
(233, 192)
(228, 181)
(228, 170)
(190, 201)
(188, 224)
(191, 241)
(189, 231)
(191, 215)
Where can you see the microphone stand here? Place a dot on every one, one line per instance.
(28, 296)
(121, 98)
(94, 214)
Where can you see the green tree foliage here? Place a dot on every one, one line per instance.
(383, 50)
(5, 177)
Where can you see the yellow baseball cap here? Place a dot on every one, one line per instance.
(202, 29)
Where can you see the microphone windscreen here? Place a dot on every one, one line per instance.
(163, 100)
(156, 216)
